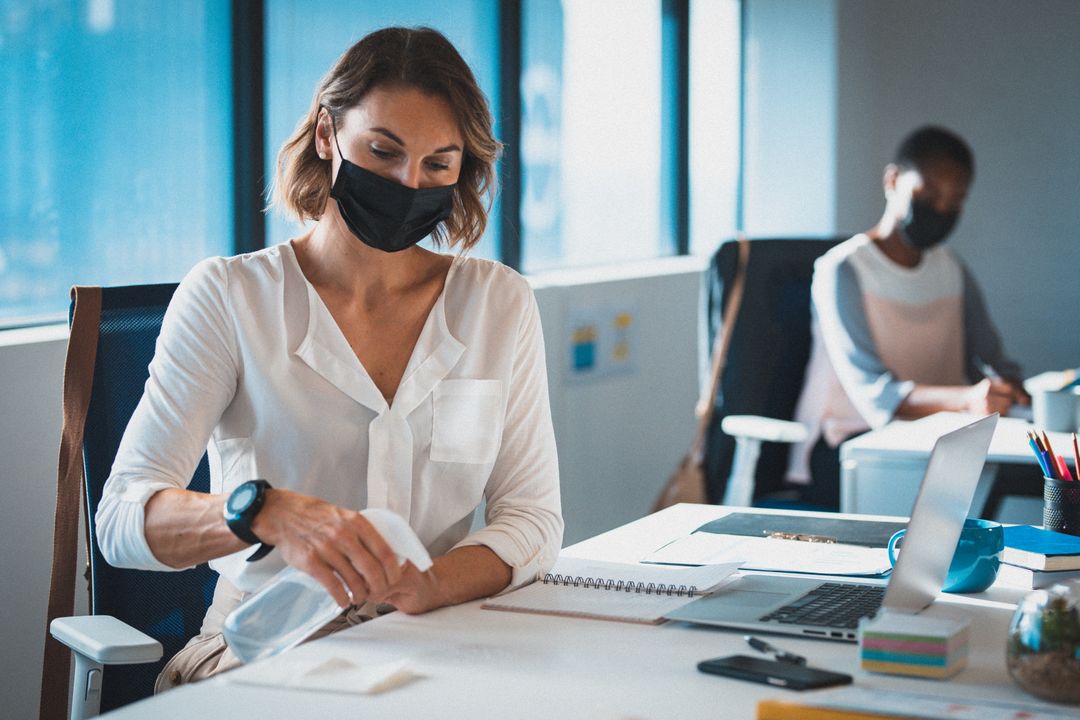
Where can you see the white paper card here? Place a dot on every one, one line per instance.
(334, 674)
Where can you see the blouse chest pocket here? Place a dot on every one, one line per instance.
(467, 421)
(232, 462)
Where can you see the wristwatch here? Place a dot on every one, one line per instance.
(243, 505)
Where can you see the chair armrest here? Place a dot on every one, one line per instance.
(763, 428)
(105, 640)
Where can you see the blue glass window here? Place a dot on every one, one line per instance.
(116, 126)
(591, 133)
(714, 122)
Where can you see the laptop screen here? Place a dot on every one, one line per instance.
(937, 518)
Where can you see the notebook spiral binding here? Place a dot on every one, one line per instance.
(620, 585)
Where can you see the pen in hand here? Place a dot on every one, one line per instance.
(989, 371)
(781, 655)
(1016, 388)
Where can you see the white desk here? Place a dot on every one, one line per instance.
(484, 664)
(880, 471)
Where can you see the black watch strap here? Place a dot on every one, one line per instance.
(263, 551)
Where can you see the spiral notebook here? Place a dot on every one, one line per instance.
(627, 592)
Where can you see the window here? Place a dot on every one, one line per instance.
(591, 133)
(305, 37)
(118, 154)
(714, 122)
(123, 129)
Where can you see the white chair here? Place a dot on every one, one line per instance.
(749, 432)
(96, 641)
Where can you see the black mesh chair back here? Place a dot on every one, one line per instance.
(769, 350)
(168, 606)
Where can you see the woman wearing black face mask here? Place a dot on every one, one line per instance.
(900, 326)
(351, 368)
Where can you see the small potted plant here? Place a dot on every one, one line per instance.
(1043, 651)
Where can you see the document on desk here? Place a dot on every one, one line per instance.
(332, 674)
(627, 592)
(773, 554)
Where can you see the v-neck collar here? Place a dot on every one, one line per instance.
(326, 351)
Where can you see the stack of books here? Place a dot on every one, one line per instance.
(1035, 558)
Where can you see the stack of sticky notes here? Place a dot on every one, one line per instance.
(913, 645)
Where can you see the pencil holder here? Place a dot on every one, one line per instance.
(1061, 506)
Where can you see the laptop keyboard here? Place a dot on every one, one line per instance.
(838, 605)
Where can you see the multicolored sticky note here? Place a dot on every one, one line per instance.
(913, 645)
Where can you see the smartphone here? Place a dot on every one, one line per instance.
(773, 672)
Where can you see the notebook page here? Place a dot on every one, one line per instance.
(612, 591)
(548, 599)
(704, 578)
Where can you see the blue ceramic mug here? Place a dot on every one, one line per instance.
(975, 562)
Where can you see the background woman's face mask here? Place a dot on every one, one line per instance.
(384, 214)
(924, 227)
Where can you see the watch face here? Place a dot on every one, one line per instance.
(241, 498)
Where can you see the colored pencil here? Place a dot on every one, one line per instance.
(1047, 454)
(1038, 454)
(1046, 444)
(1051, 465)
(1076, 457)
(1063, 468)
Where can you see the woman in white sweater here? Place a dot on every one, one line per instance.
(350, 368)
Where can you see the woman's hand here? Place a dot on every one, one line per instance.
(1020, 395)
(991, 396)
(416, 592)
(463, 574)
(336, 546)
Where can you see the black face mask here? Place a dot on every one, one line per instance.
(924, 227)
(383, 214)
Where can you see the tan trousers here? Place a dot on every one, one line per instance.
(207, 654)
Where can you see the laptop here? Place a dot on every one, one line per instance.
(830, 609)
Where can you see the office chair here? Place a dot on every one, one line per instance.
(136, 616)
(747, 443)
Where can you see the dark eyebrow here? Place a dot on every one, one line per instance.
(399, 141)
(389, 134)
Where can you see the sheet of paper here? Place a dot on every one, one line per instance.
(333, 674)
(773, 554)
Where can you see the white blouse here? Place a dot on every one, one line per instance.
(251, 367)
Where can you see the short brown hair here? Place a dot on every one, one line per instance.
(415, 57)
